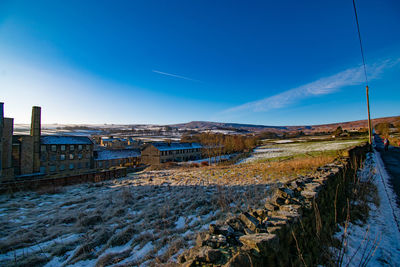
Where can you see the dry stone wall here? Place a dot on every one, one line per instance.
(294, 228)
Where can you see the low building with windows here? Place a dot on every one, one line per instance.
(162, 152)
(66, 155)
(113, 142)
(105, 159)
(134, 143)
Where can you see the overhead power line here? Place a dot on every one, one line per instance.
(359, 38)
(365, 73)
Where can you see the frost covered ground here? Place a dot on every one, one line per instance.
(285, 148)
(144, 219)
(376, 242)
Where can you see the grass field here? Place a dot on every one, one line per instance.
(147, 218)
(279, 150)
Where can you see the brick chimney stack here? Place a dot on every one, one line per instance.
(35, 132)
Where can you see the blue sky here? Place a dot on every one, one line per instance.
(260, 62)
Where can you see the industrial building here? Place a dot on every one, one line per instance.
(161, 152)
(35, 156)
(105, 159)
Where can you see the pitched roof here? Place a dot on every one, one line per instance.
(117, 154)
(164, 146)
(65, 140)
(113, 139)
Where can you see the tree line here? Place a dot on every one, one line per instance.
(216, 144)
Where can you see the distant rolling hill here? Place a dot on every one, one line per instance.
(124, 129)
(207, 125)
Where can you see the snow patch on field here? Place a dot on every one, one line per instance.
(134, 220)
(286, 148)
(180, 223)
(284, 141)
(66, 239)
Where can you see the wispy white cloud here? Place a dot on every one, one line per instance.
(175, 75)
(323, 86)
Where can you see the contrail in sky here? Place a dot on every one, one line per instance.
(174, 75)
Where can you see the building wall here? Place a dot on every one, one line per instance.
(151, 155)
(16, 157)
(62, 160)
(123, 162)
(180, 155)
(26, 153)
(114, 144)
(7, 168)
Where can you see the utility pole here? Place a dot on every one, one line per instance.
(369, 118)
(365, 72)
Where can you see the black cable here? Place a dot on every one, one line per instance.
(359, 37)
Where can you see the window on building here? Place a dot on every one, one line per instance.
(52, 168)
(43, 148)
(79, 147)
(53, 148)
(79, 156)
(62, 167)
(87, 156)
(100, 164)
(53, 158)
(43, 169)
(62, 147)
(71, 147)
(62, 157)
(87, 165)
(79, 165)
(87, 147)
(71, 166)
(43, 157)
(71, 156)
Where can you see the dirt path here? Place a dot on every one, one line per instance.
(391, 159)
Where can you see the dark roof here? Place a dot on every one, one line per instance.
(164, 146)
(114, 139)
(117, 154)
(65, 140)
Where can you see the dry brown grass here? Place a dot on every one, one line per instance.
(394, 141)
(265, 171)
(140, 211)
(301, 165)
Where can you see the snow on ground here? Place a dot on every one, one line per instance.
(285, 148)
(283, 141)
(211, 159)
(144, 219)
(377, 242)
